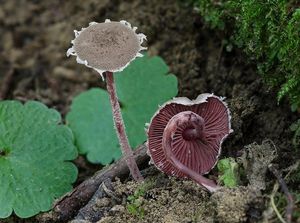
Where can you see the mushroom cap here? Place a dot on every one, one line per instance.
(108, 46)
(198, 155)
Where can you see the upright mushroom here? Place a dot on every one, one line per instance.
(109, 47)
(185, 137)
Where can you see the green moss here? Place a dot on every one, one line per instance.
(228, 172)
(269, 32)
(135, 202)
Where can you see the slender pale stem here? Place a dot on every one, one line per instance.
(120, 128)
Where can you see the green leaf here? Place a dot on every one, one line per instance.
(141, 87)
(228, 172)
(34, 149)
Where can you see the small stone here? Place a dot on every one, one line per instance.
(103, 202)
(118, 208)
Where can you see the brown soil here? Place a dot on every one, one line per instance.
(36, 34)
(169, 200)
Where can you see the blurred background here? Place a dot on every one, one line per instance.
(35, 36)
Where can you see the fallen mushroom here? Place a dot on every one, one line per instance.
(109, 47)
(185, 137)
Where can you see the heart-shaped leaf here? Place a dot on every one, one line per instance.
(34, 150)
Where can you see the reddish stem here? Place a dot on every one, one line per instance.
(120, 128)
(182, 119)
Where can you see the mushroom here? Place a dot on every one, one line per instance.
(107, 48)
(185, 137)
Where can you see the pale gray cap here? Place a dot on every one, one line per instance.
(108, 46)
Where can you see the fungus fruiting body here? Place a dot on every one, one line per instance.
(107, 48)
(185, 137)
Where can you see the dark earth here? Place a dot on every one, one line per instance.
(33, 66)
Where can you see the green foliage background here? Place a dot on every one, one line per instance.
(269, 32)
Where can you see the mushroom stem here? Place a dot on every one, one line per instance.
(208, 184)
(185, 120)
(120, 128)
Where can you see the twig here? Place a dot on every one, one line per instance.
(69, 205)
(89, 212)
(6, 82)
(275, 188)
(289, 197)
(110, 193)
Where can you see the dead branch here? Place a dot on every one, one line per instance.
(68, 206)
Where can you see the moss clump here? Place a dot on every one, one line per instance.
(228, 172)
(233, 204)
(255, 160)
(269, 32)
(135, 201)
